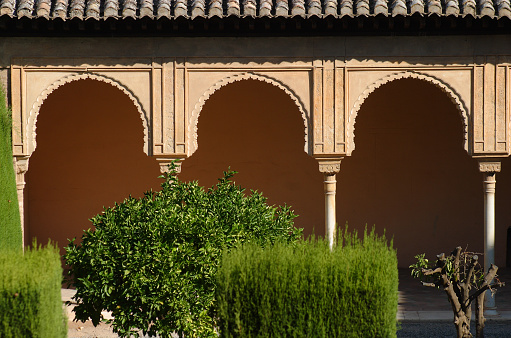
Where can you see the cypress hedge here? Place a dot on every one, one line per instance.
(306, 290)
(30, 301)
(10, 224)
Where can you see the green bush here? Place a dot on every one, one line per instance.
(10, 224)
(152, 261)
(306, 290)
(30, 301)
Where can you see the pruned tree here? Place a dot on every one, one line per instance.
(463, 279)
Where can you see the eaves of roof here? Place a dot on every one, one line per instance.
(252, 17)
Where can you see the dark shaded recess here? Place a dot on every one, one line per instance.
(410, 175)
(89, 154)
(411, 25)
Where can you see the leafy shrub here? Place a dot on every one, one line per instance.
(10, 224)
(307, 290)
(30, 301)
(152, 261)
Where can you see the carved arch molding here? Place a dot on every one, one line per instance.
(31, 126)
(451, 93)
(194, 119)
(176, 116)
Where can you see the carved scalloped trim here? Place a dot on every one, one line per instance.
(455, 98)
(193, 126)
(36, 107)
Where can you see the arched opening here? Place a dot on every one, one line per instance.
(409, 173)
(89, 154)
(257, 130)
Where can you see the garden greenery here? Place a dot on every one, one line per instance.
(306, 290)
(10, 224)
(152, 261)
(30, 301)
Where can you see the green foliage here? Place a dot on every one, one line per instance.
(152, 261)
(10, 224)
(306, 290)
(30, 301)
(455, 272)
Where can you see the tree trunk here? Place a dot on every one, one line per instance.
(480, 316)
(462, 325)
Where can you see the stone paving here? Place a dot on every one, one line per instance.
(417, 304)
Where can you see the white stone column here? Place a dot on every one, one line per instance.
(330, 167)
(20, 168)
(489, 170)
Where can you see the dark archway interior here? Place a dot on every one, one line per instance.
(503, 215)
(409, 173)
(89, 154)
(257, 130)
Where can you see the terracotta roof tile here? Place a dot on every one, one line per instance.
(121, 9)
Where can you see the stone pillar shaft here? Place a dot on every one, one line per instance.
(330, 189)
(489, 170)
(21, 168)
(489, 219)
(330, 166)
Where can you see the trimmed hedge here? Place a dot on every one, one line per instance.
(30, 301)
(306, 290)
(10, 224)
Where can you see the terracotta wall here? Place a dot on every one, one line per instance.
(89, 154)
(503, 214)
(410, 175)
(257, 130)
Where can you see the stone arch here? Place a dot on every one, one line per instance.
(455, 98)
(36, 107)
(193, 125)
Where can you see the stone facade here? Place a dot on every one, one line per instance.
(170, 79)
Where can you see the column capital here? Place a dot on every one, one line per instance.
(329, 165)
(20, 168)
(21, 164)
(166, 160)
(489, 166)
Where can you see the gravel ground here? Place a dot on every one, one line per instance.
(424, 329)
(408, 329)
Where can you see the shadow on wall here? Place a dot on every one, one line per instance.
(257, 130)
(410, 174)
(89, 154)
(503, 214)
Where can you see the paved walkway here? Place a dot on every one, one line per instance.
(417, 304)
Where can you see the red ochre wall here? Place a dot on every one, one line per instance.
(410, 175)
(89, 154)
(503, 212)
(257, 130)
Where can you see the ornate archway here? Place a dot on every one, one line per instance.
(89, 155)
(36, 107)
(194, 119)
(455, 98)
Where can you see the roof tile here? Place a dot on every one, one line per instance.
(155, 9)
